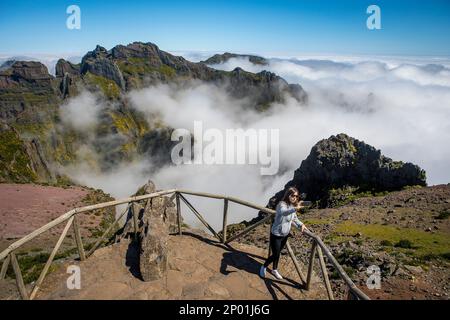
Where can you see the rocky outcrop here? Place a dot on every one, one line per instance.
(155, 222)
(158, 220)
(345, 162)
(69, 74)
(270, 88)
(63, 67)
(224, 57)
(97, 62)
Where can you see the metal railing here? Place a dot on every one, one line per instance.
(70, 218)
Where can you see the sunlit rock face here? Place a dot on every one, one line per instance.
(343, 162)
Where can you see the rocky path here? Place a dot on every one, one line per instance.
(199, 268)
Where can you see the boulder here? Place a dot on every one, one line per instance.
(155, 222)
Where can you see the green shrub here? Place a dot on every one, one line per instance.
(443, 215)
(404, 243)
(386, 243)
(446, 255)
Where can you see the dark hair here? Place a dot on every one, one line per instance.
(287, 194)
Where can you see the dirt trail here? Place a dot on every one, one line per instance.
(199, 268)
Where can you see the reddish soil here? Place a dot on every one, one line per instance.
(26, 207)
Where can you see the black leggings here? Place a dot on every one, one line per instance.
(276, 244)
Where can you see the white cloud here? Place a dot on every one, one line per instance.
(82, 111)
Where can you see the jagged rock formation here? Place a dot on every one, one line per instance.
(69, 74)
(97, 62)
(63, 67)
(224, 57)
(344, 162)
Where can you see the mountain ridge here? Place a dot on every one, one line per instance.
(31, 98)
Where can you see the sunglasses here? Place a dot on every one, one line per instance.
(294, 196)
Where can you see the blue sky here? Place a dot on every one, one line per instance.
(319, 26)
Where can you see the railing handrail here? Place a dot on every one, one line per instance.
(69, 214)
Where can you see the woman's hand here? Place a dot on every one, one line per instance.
(303, 228)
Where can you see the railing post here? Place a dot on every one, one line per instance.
(102, 238)
(78, 239)
(50, 259)
(180, 232)
(224, 225)
(323, 267)
(311, 264)
(199, 216)
(295, 261)
(5, 266)
(19, 278)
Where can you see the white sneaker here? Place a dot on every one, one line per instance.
(262, 272)
(277, 275)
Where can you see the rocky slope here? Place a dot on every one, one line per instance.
(365, 222)
(404, 233)
(30, 101)
(21, 160)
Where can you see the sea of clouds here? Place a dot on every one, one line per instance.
(400, 105)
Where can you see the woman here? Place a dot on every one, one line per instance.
(284, 217)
